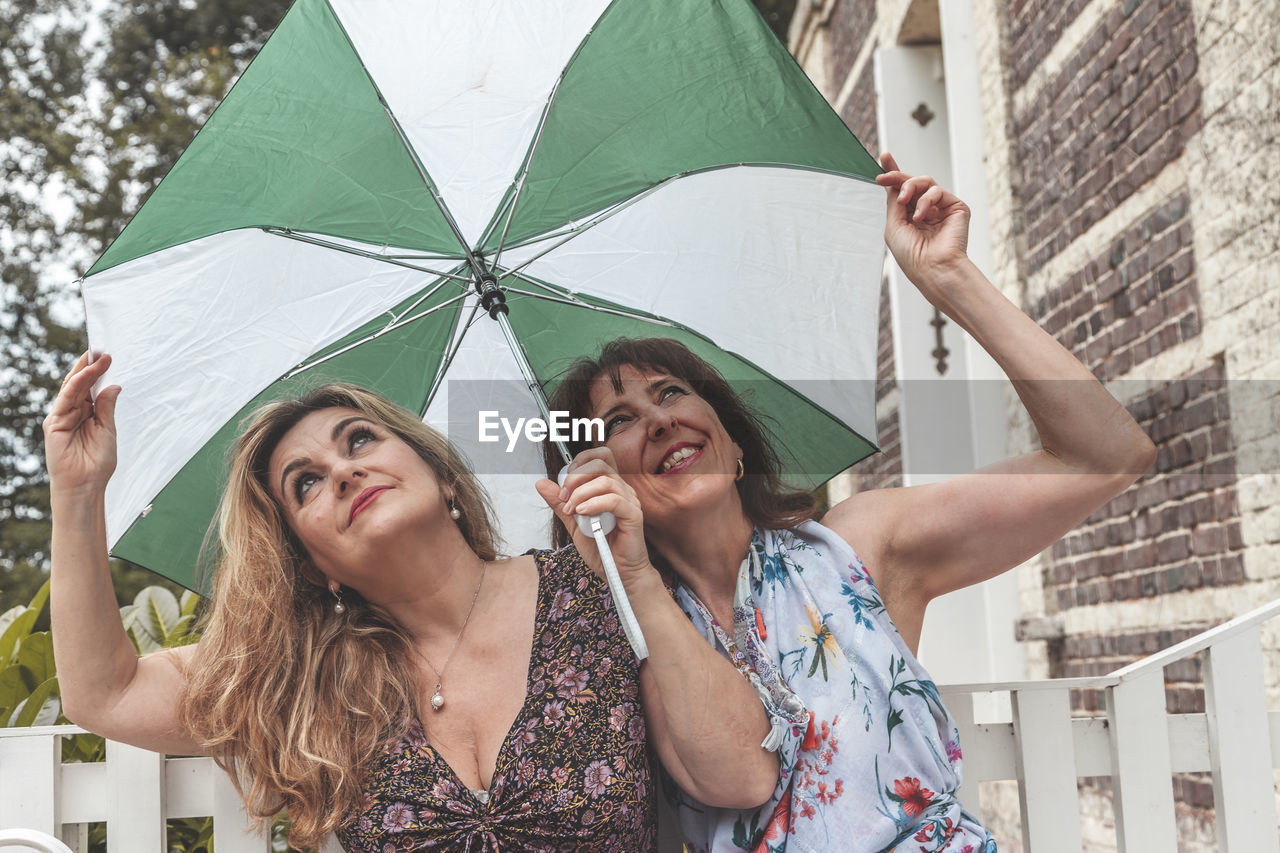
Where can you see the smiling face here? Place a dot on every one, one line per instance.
(669, 444)
(350, 490)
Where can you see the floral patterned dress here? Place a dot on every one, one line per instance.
(572, 774)
(870, 757)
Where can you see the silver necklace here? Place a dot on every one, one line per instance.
(437, 700)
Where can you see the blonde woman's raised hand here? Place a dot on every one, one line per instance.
(927, 228)
(80, 432)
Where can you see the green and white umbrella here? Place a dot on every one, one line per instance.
(634, 167)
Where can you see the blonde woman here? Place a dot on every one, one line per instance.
(371, 665)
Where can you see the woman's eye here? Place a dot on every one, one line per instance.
(672, 390)
(359, 437)
(302, 484)
(612, 423)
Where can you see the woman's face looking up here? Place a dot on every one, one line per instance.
(351, 489)
(668, 443)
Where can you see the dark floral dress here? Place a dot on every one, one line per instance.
(572, 773)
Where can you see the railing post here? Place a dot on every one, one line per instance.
(1141, 774)
(1046, 765)
(30, 783)
(231, 832)
(135, 801)
(1240, 745)
(970, 794)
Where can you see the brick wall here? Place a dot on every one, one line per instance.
(859, 112)
(1117, 135)
(1177, 530)
(1132, 301)
(1033, 28)
(1106, 124)
(849, 25)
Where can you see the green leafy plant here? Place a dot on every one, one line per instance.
(28, 684)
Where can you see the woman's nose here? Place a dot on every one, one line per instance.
(346, 476)
(660, 422)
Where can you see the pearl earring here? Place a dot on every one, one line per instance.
(454, 512)
(338, 607)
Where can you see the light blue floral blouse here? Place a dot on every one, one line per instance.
(870, 758)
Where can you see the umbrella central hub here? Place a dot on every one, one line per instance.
(492, 297)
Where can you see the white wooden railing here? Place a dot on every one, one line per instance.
(1137, 744)
(134, 792)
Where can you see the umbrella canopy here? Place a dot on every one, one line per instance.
(634, 167)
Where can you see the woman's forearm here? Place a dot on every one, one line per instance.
(704, 717)
(95, 659)
(1076, 418)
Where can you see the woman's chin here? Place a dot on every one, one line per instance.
(685, 498)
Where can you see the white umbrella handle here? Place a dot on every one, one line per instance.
(630, 626)
(600, 526)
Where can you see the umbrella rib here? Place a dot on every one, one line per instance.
(524, 172)
(403, 321)
(586, 226)
(455, 347)
(623, 204)
(577, 303)
(351, 250)
(477, 265)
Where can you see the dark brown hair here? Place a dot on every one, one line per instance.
(766, 499)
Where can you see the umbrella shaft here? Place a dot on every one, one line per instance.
(535, 388)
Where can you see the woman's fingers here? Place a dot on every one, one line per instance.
(928, 201)
(588, 465)
(74, 396)
(550, 492)
(601, 485)
(104, 408)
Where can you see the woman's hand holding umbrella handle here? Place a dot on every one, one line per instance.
(586, 523)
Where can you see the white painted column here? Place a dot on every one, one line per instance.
(953, 423)
(135, 804)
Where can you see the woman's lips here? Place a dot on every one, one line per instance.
(364, 499)
(683, 463)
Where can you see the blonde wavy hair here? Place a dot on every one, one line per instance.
(291, 698)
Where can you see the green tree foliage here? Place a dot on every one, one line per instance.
(42, 86)
(89, 126)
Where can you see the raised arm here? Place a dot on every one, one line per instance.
(703, 717)
(105, 687)
(923, 541)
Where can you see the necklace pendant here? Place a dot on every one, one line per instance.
(437, 701)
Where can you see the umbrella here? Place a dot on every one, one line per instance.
(388, 179)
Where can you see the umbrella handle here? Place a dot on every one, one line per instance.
(598, 527)
(630, 627)
(608, 520)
